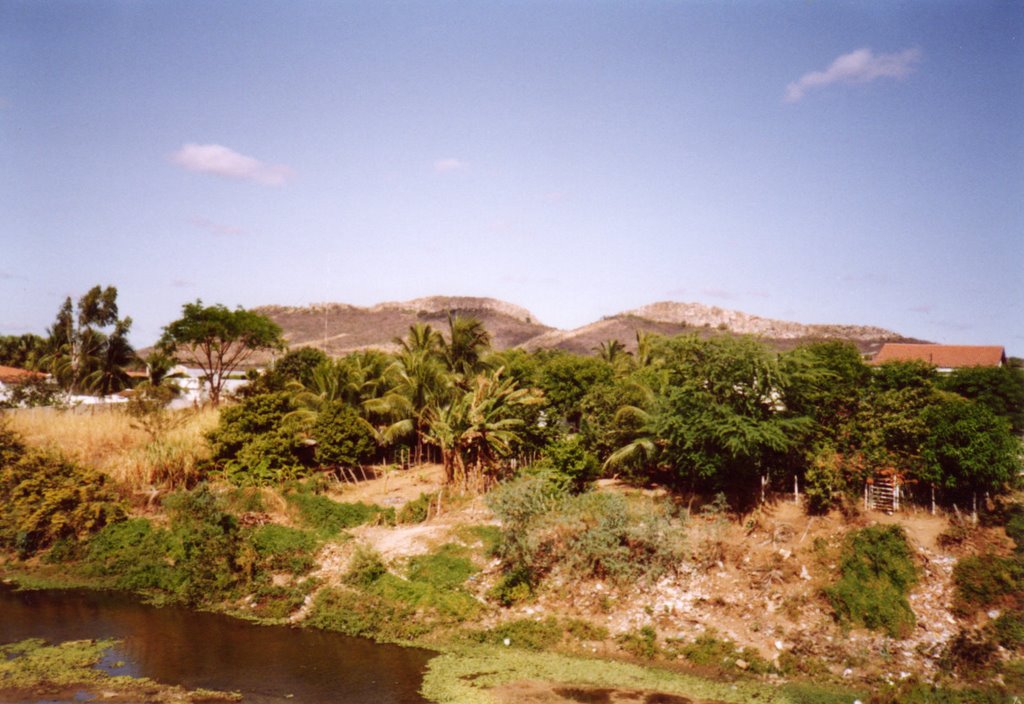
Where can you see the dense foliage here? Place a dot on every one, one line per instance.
(45, 498)
(876, 573)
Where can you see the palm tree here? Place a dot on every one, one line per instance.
(463, 351)
(478, 427)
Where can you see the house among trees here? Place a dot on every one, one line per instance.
(945, 358)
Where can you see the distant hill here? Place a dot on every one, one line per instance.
(339, 328)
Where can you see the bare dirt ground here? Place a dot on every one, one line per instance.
(757, 581)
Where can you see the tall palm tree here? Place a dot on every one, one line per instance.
(478, 427)
(468, 341)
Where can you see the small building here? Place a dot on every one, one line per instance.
(945, 358)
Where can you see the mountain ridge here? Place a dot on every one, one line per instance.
(339, 328)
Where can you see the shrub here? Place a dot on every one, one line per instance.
(1015, 525)
(366, 615)
(135, 555)
(284, 549)
(205, 545)
(571, 464)
(641, 643)
(328, 518)
(343, 438)
(416, 511)
(513, 587)
(45, 498)
(1009, 629)
(526, 633)
(585, 630)
(986, 580)
(709, 650)
(257, 442)
(446, 568)
(824, 482)
(366, 568)
(591, 534)
(877, 571)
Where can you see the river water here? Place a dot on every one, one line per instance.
(174, 645)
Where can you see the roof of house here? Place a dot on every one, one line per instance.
(12, 375)
(943, 356)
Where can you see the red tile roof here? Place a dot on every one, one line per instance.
(943, 356)
(13, 374)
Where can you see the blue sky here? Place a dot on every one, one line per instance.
(858, 162)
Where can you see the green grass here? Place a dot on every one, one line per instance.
(464, 674)
(328, 518)
(284, 549)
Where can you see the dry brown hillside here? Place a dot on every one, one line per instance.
(339, 328)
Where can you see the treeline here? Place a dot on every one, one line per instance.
(724, 414)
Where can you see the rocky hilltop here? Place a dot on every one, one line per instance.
(339, 328)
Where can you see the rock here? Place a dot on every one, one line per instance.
(804, 574)
(848, 672)
(994, 613)
(786, 554)
(742, 664)
(779, 645)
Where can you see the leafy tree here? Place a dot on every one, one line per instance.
(342, 437)
(968, 448)
(83, 356)
(22, 351)
(910, 374)
(566, 379)
(299, 364)
(826, 381)
(1000, 389)
(721, 418)
(218, 340)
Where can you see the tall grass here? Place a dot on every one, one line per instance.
(108, 440)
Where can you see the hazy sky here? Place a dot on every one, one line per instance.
(858, 162)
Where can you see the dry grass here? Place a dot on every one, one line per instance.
(108, 441)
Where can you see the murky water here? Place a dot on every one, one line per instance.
(178, 646)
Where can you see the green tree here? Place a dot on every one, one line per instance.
(218, 341)
(464, 349)
(968, 448)
(566, 379)
(1000, 389)
(722, 418)
(478, 427)
(22, 351)
(88, 344)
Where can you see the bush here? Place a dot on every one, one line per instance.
(824, 482)
(571, 464)
(987, 580)
(877, 572)
(257, 442)
(205, 545)
(328, 518)
(525, 633)
(1009, 630)
(446, 568)
(709, 650)
(416, 511)
(45, 498)
(342, 437)
(366, 615)
(284, 549)
(135, 555)
(592, 534)
(641, 643)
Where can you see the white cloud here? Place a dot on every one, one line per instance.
(222, 161)
(443, 166)
(860, 66)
